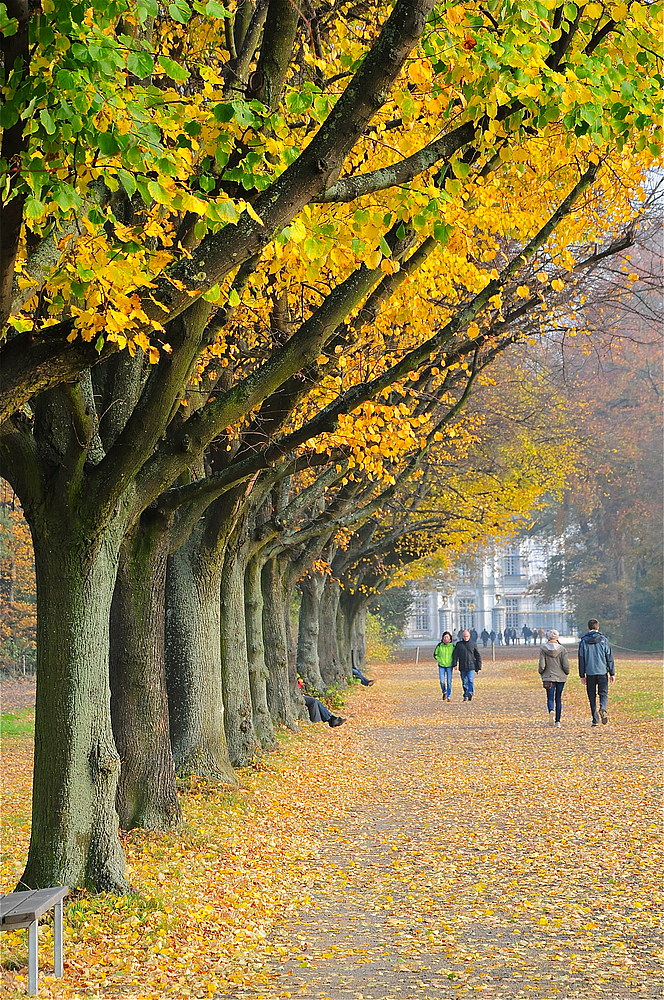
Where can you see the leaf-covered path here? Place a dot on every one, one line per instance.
(468, 848)
(423, 850)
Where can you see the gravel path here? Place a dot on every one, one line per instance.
(468, 849)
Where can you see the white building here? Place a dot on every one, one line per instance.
(487, 592)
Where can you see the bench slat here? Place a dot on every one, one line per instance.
(19, 907)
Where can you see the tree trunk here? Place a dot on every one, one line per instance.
(279, 681)
(308, 661)
(240, 734)
(74, 839)
(358, 636)
(193, 669)
(147, 794)
(330, 656)
(258, 673)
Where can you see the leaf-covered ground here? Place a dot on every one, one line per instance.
(421, 850)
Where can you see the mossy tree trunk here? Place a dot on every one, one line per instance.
(281, 680)
(147, 794)
(74, 839)
(308, 636)
(235, 673)
(193, 662)
(258, 671)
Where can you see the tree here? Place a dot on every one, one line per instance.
(162, 210)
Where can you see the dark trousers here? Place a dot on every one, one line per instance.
(318, 712)
(554, 696)
(597, 684)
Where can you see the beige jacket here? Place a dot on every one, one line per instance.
(553, 662)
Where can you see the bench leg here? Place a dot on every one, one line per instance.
(33, 957)
(57, 939)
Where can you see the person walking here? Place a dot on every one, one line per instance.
(596, 668)
(467, 658)
(554, 670)
(443, 655)
(485, 636)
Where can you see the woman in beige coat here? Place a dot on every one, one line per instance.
(554, 669)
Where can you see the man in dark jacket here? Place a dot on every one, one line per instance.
(466, 657)
(596, 666)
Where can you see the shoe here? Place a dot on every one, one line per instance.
(557, 725)
(336, 720)
(604, 716)
(470, 697)
(551, 719)
(444, 696)
(595, 722)
(372, 681)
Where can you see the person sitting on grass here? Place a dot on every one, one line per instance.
(366, 681)
(318, 712)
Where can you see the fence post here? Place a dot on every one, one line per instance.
(493, 650)
(417, 655)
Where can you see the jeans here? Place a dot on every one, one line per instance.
(445, 678)
(468, 682)
(555, 694)
(360, 676)
(597, 684)
(318, 712)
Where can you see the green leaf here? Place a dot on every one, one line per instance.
(215, 9)
(107, 142)
(140, 63)
(179, 11)
(128, 182)
(47, 121)
(173, 69)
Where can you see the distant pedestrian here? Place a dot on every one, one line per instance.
(554, 670)
(473, 634)
(460, 635)
(540, 635)
(484, 636)
(443, 655)
(596, 667)
(492, 636)
(526, 633)
(499, 638)
(467, 658)
(513, 636)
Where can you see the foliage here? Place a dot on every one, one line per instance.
(392, 607)
(382, 639)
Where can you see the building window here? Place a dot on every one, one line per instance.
(512, 564)
(421, 614)
(512, 612)
(465, 573)
(466, 613)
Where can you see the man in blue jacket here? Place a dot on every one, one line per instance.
(596, 666)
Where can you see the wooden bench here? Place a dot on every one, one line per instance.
(23, 909)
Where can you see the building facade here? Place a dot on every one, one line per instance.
(487, 592)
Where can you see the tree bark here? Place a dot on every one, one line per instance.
(193, 669)
(308, 636)
(279, 682)
(236, 687)
(147, 794)
(258, 672)
(330, 656)
(74, 839)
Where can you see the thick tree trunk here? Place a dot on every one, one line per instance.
(74, 839)
(258, 673)
(147, 794)
(308, 661)
(193, 668)
(332, 667)
(238, 719)
(358, 636)
(280, 683)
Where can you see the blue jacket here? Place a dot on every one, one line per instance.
(595, 656)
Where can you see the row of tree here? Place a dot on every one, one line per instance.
(255, 258)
